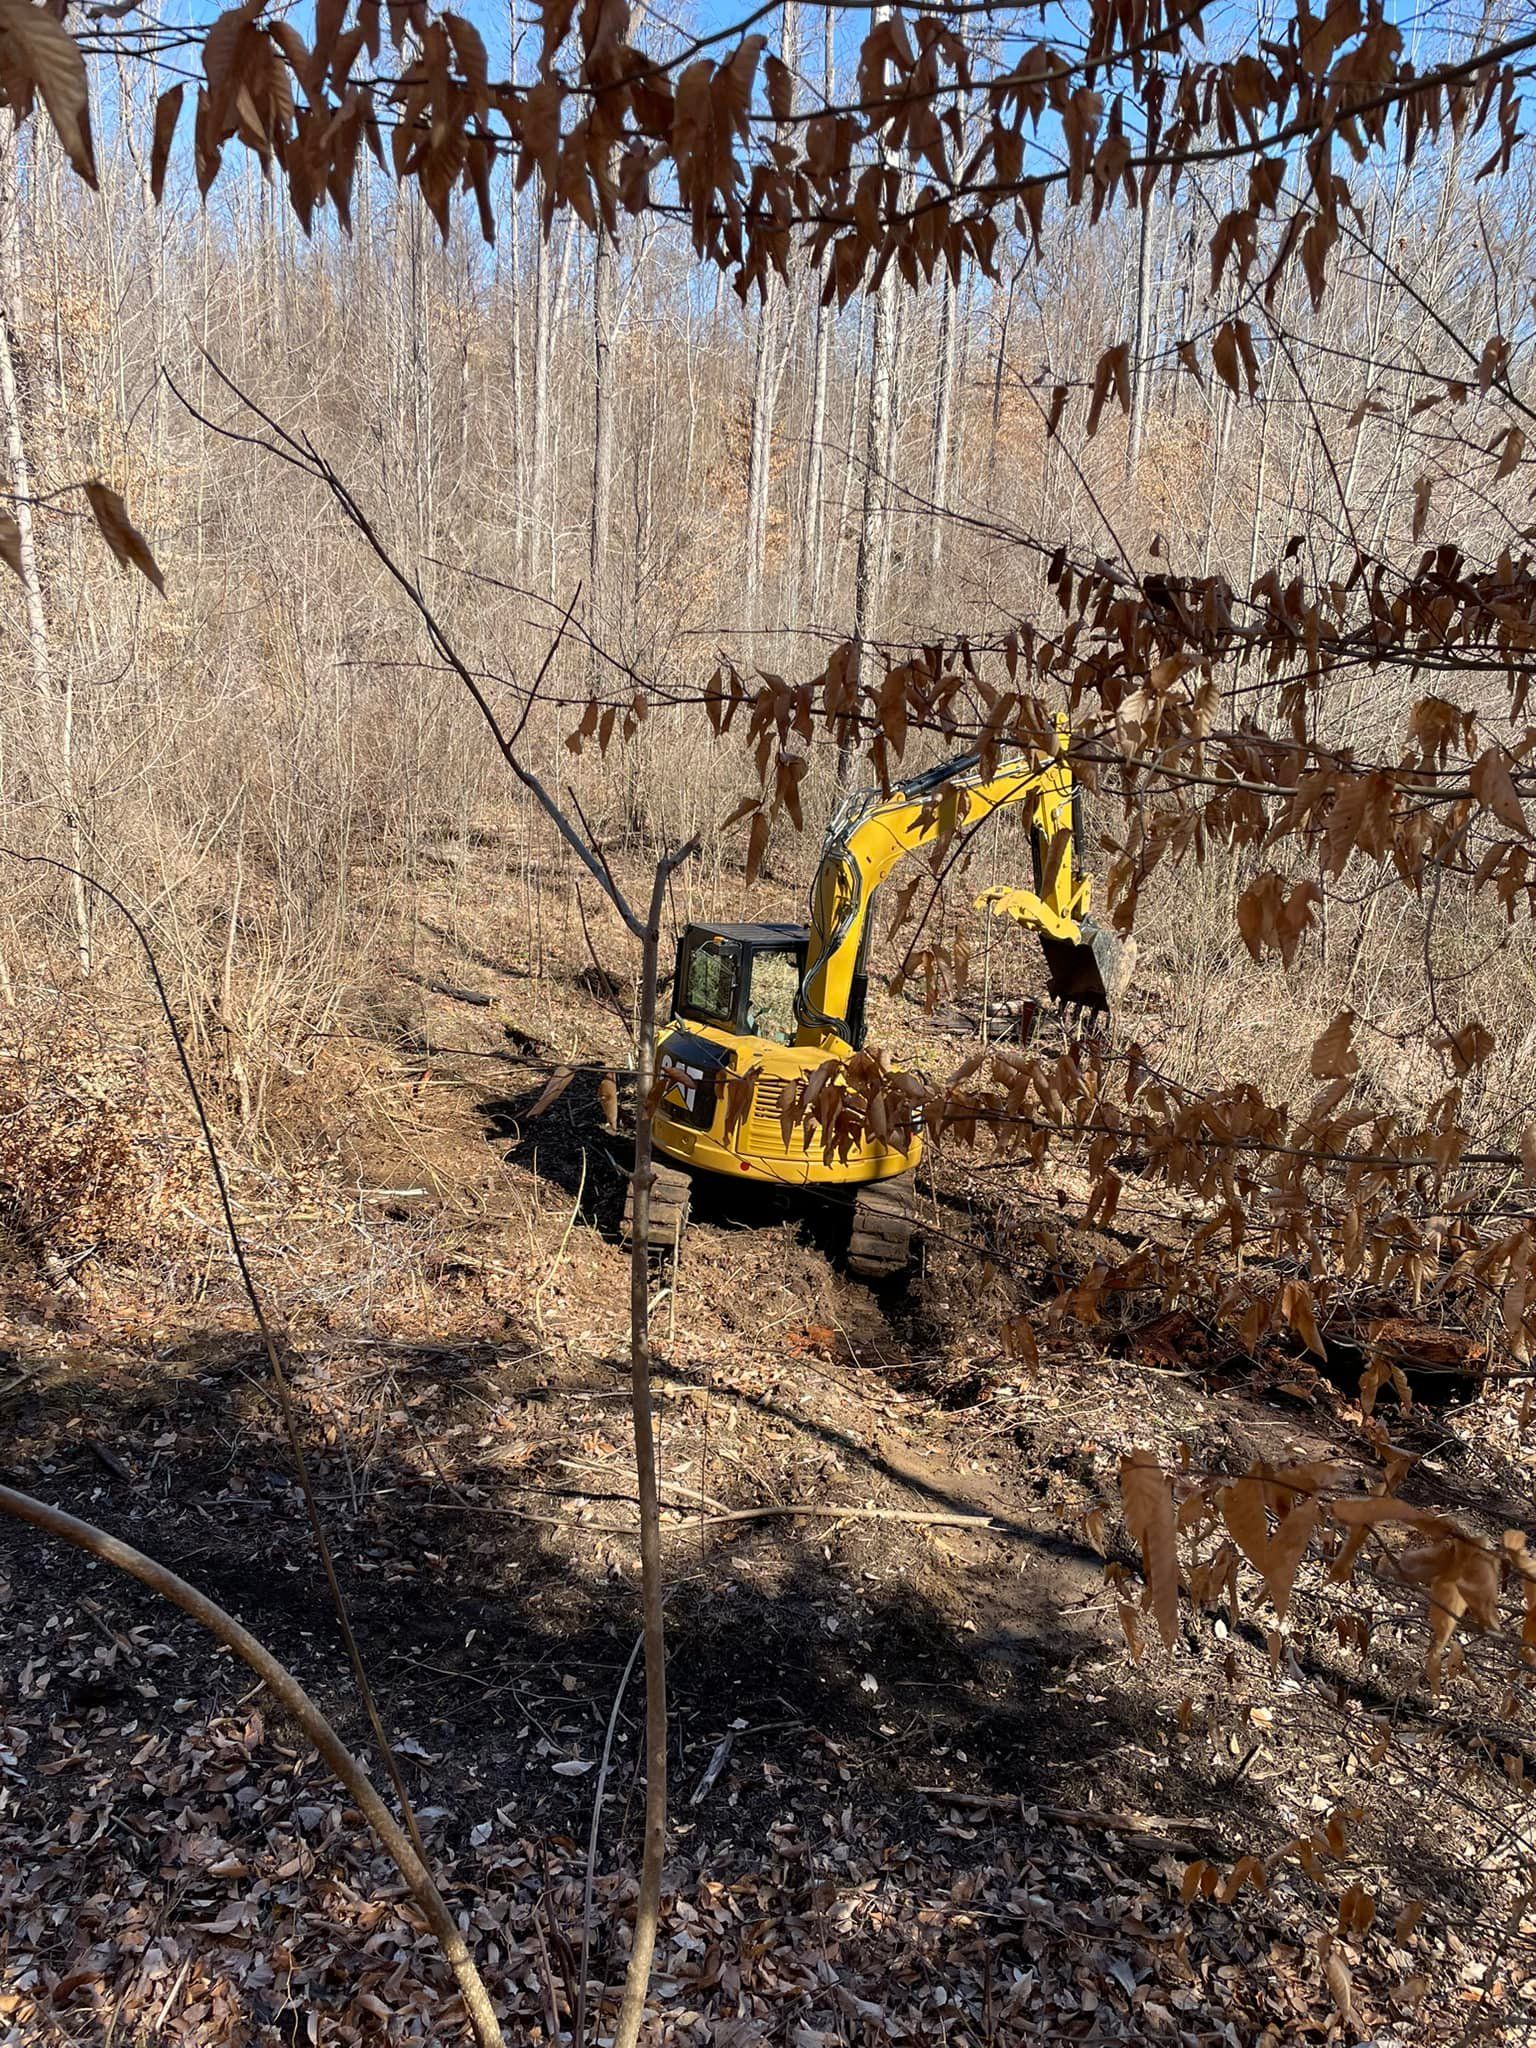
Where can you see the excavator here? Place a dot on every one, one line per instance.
(759, 1009)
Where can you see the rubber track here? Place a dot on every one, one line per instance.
(671, 1192)
(883, 1226)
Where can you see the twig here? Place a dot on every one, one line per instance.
(287, 1690)
(538, 1293)
(579, 2035)
(462, 995)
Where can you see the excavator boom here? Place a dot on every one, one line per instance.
(871, 831)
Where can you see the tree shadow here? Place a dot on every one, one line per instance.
(813, 1667)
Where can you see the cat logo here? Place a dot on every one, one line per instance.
(682, 1091)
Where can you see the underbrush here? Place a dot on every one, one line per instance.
(97, 1145)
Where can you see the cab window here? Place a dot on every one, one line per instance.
(771, 1003)
(710, 980)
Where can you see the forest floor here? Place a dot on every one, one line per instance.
(921, 1790)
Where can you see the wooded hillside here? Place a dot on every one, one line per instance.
(483, 490)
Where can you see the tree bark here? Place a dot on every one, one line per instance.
(34, 611)
(943, 417)
(605, 291)
(1140, 367)
(765, 384)
(813, 515)
(760, 446)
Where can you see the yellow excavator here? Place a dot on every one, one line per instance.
(758, 1010)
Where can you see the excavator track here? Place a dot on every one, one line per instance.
(884, 1222)
(671, 1192)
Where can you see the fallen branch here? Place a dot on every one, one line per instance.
(461, 995)
(919, 1517)
(285, 1688)
(1133, 1829)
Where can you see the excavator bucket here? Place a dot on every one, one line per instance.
(1089, 973)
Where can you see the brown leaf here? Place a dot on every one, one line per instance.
(10, 542)
(1494, 789)
(1242, 1509)
(552, 1090)
(1514, 448)
(608, 1101)
(1287, 1548)
(757, 845)
(1333, 1056)
(39, 47)
(1341, 1986)
(1407, 1921)
(1149, 1516)
(1018, 1339)
(119, 531)
(1113, 373)
(167, 112)
(1300, 1311)
(1421, 491)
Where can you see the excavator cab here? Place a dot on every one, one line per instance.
(746, 978)
(741, 978)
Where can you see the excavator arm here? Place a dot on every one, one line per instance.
(872, 831)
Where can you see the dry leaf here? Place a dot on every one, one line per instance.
(608, 1101)
(553, 1089)
(1150, 1517)
(167, 112)
(1333, 1057)
(119, 531)
(39, 47)
(1494, 789)
(1341, 1986)
(10, 542)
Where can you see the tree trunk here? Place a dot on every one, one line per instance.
(1140, 366)
(765, 383)
(539, 461)
(813, 517)
(34, 612)
(760, 447)
(605, 290)
(653, 1853)
(872, 522)
(943, 417)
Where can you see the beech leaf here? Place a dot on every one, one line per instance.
(1150, 1517)
(120, 533)
(1333, 1057)
(44, 52)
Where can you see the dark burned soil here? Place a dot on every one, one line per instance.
(921, 1789)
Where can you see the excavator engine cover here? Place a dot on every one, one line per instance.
(1090, 971)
